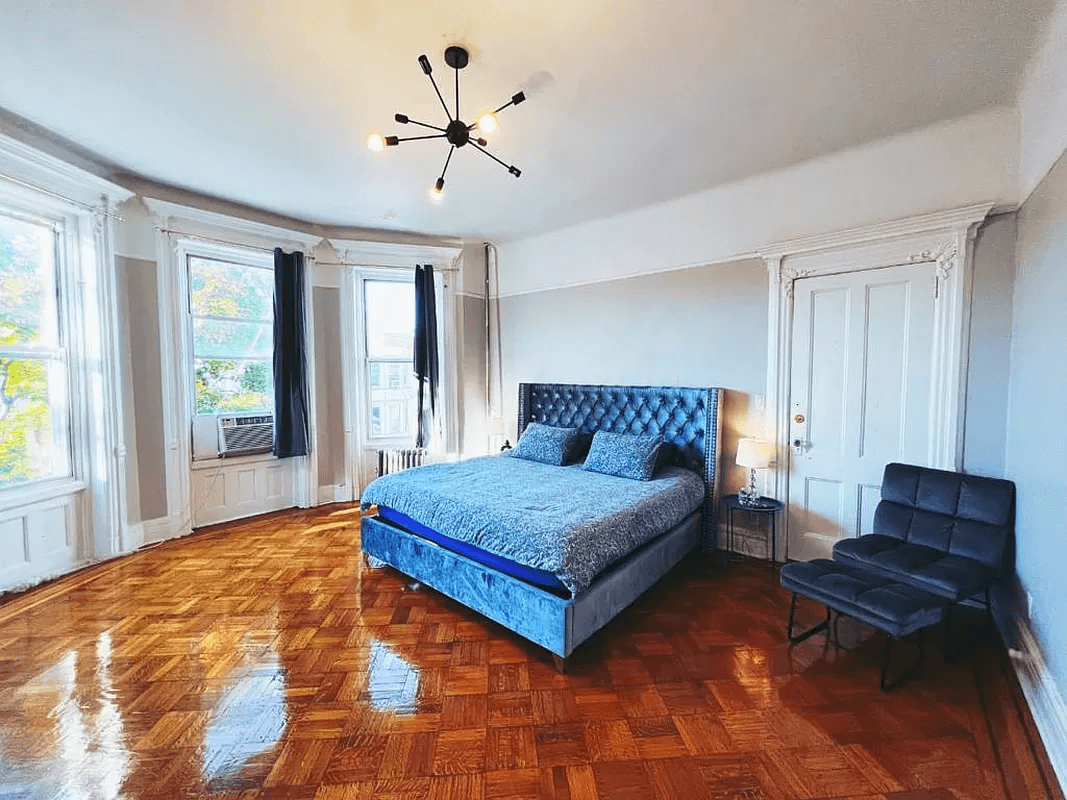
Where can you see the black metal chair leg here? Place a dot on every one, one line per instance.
(889, 685)
(800, 637)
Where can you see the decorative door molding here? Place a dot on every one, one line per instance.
(945, 238)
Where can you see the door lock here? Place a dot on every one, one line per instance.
(799, 419)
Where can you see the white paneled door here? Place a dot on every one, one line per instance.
(859, 396)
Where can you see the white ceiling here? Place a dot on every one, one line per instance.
(268, 103)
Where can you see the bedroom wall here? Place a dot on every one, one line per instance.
(968, 160)
(1037, 438)
(705, 326)
(986, 418)
(329, 388)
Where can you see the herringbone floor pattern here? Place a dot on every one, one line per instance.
(263, 660)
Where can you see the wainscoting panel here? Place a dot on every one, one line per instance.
(37, 542)
(224, 491)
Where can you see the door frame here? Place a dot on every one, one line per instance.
(945, 238)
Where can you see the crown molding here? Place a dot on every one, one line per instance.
(360, 252)
(25, 164)
(966, 217)
(186, 219)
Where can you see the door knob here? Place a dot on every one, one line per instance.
(799, 419)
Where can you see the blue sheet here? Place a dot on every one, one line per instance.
(538, 577)
(562, 520)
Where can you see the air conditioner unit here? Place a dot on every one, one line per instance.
(246, 434)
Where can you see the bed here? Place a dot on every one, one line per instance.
(587, 594)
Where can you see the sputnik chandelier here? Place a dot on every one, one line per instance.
(457, 133)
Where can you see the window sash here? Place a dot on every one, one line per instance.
(200, 353)
(57, 378)
(51, 352)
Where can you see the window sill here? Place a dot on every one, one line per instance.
(27, 494)
(234, 461)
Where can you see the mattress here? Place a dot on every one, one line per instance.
(538, 577)
(564, 521)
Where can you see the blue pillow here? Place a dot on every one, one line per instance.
(546, 444)
(624, 455)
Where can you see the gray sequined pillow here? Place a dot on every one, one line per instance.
(546, 444)
(624, 455)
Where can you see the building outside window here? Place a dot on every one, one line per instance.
(232, 308)
(389, 311)
(34, 363)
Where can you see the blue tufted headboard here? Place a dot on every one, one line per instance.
(689, 419)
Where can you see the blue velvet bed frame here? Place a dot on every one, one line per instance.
(690, 421)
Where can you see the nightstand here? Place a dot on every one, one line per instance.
(767, 507)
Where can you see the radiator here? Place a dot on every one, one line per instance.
(395, 460)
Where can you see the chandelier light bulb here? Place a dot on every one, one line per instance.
(437, 193)
(487, 122)
(375, 142)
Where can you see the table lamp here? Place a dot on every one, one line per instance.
(497, 428)
(754, 454)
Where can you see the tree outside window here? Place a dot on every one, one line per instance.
(233, 336)
(33, 364)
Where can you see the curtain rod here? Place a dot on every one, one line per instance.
(63, 197)
(357, 264)
(307, 257)
(203, 238)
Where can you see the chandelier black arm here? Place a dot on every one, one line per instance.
(415, 138)
(457, 92)
(451, 150)
(439, 97)
(509, 167)
(404, 120)
(516, 98)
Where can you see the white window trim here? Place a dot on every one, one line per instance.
(182, 231)
(363, 276)
(82, 203)
(241, 256)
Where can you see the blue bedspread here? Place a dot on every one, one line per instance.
(563, 520)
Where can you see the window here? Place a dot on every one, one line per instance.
(34, 417)
(233, 336)
(389, 311)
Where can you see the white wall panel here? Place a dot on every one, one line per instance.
(37, 542)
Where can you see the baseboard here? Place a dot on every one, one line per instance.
(332, 493)
(1043, 695)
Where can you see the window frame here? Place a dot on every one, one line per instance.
(68, 426)
(186, 245)
(365, 276)
(266, 264)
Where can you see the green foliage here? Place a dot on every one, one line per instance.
(230, 290)
(24, 286)
(25, 420)
(256, 378)
(225, 385)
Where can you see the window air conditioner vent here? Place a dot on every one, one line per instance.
(242, 435)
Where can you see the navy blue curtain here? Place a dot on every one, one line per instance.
(426, 362)
(290, 359)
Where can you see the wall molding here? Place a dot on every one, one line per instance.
(1043, 695)
(945, 238)
(716, 262)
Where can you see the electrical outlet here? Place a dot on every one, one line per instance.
(1029, 605)
(760, 402)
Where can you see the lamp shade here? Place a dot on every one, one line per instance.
(753, 453)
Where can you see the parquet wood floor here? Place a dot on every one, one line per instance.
(264, 660)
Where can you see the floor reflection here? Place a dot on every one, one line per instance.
(392, 682)
(88, 737)
(249, 719)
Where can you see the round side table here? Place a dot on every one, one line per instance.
(767, 506)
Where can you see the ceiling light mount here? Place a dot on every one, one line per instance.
(457, 133)
(457, 57)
